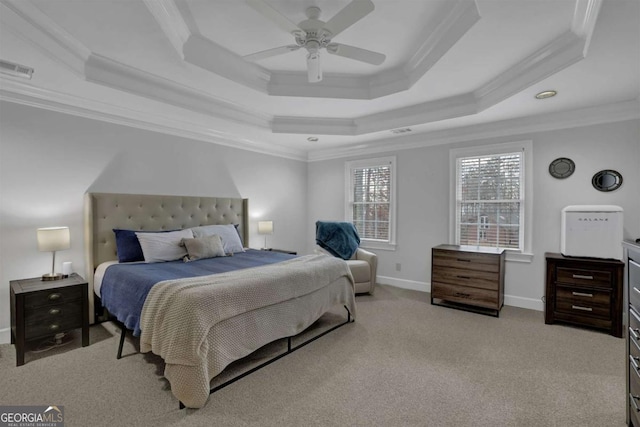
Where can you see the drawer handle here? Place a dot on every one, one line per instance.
(582, 276)
(54, 311)
(464, 277)
(578, 307)
(633, 401)
(462, 294)
(54, 297)
(54, 327)
(582, 294)
(463, 260)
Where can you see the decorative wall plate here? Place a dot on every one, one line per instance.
(561, 168)
(606, 180)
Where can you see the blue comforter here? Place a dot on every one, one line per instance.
(125, 286)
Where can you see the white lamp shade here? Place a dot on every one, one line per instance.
(265, 227)
(53, 239)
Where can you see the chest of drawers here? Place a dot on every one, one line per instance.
(632, 312)
(42, 309)
(470, 277)
(584, 292)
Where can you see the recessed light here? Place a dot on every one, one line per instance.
(546, 94)
(312, 139)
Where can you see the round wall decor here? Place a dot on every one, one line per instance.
(562, 167)
(606, 180)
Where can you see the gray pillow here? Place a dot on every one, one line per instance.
(203, 247)
(228, 234)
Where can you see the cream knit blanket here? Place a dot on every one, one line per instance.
(178, 314)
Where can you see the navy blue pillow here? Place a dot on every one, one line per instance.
(128, 246)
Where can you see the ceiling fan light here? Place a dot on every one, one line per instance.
(314, 72)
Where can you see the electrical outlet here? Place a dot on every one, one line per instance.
(398, 266)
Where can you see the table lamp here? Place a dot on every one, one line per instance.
(52, 239)
(265, 227)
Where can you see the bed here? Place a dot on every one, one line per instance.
(201, 324)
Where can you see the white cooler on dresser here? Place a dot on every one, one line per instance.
(593, 231)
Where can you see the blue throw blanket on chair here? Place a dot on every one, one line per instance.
(339, 238)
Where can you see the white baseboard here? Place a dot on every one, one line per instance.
(521, 302)
(404, 284)
(510, 300)
(5, 336)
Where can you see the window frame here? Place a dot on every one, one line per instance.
(349, 189)
(524, 254)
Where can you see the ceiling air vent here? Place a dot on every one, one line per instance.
(400, 130)
(17, 70)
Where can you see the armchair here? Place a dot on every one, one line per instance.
(363, 266)
(341, 240)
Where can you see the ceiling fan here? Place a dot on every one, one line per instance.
(313, 35)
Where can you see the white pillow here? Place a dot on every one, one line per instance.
(228, 234)
(159, 247)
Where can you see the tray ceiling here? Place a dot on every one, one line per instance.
(453, 68)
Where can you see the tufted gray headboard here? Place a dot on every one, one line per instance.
(106, 211)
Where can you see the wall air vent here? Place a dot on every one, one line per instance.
(16, 70)
(400, 130)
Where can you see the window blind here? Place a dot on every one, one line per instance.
(489, 200)
(372, 201)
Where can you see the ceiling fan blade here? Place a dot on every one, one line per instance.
(271, 52)
(349, 15)
(356, 53)
(279, 19)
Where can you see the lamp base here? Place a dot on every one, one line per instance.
(52, 276)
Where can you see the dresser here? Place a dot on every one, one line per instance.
(43, 309)
(632, 316)
(468, 277)
(584, 292)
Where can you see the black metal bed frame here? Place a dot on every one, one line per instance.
(290, 350)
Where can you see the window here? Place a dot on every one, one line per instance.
(491, 196)
(370, 203)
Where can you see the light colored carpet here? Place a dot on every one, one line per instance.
(403, 362)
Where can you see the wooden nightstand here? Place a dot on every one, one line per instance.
(584, 292)
(42, 309)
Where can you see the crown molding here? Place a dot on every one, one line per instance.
(26, 94)
(601, 114)
(454, 21)
(555, 56)
(44, 34)
(441, 109)
(563, 51)
(314, 126)
(108, 72)
(171, 20)
(177, 23)
(584, 20)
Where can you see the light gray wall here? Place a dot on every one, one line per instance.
(423, 200)
(49, 160)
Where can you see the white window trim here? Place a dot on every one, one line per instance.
(349, 166)
(526, 255)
